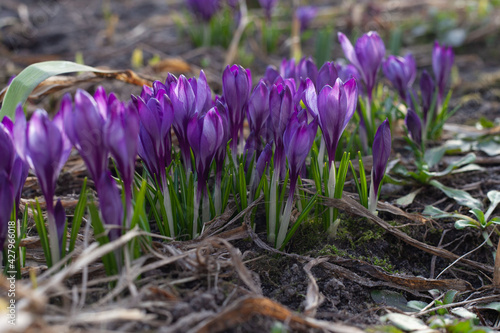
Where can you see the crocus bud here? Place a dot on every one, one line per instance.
(258, 107)
(121, 135)
(84, 126)
(427, 89)
(270, 75)
(366, 56)
(381, 150)
(280, 107)
(264, 159)
(298, 139)
(46, 148)
(442, 61)
(110, 204)
(305, 15)
(155, 143)
(306, 68)
(401, 72)
(204, 9)
(202, 93)
(268, 6)
(327, 76)
(18, 171)
(287, 68)
(43, 144)
(184, 104)
(205, 136)
(336, 106)
(414, 126)
(236, 87)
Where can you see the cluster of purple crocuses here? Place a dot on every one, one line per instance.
(284, 111)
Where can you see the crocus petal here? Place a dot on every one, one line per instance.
(327, 76)
(110, 204)
(258, 107)
(381, 151)
(348, 49)
(414, 126)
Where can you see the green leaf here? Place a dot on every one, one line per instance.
(408, 199)
(42, 232)
(438, 213)
(449, 296)
(23, 84)
(434, 155)
(467, 159)
(462, 224)
(492, 306)
(404, 322)
(78, 216)
(302, 216)
(463, 313)
(417, 305)
(479, 215)
(461, 197)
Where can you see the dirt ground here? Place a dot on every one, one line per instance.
(236, 282)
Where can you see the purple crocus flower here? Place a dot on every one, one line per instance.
(110, 204)
(13, 164)
(298, 139)
(442, 61)
(263, 160)
(268, 6)
(45, 147)
(366, 56)
(327, 76)
(155, 142)
(258, 107)
(84, 126)
(401, 72)
(6, 202)
(306, 68)
(381, 151)
(206, 134)
(280, 107)
(427, 89)
(204, 9)
(336, 106)
(305, 15)
(347, 72)
(271, 75)
(184, 104)
(414, 126)
(236, 87)
(121, 135)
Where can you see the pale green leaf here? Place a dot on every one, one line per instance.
(405, 322)
(23, 84)
(461, 197)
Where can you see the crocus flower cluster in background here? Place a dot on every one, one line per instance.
(290, 110)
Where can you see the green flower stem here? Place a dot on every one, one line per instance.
(285, 221)
(55, 251)
(321, 155)
(271, 236)
(168, 208)
(331, 189)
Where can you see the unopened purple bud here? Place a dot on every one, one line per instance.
(327, 76)
(381, 150)
(366, 56)
(110, 204)
(236, 87)
(305, 15)
(271, 75)
(264, 159)
(401, 72)
(414, 126)
(336, 106)
(442, 61)
(268, 6)
(258, 107)
(427, 89)
(204, 9)
(306, 68)
(298, 139)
